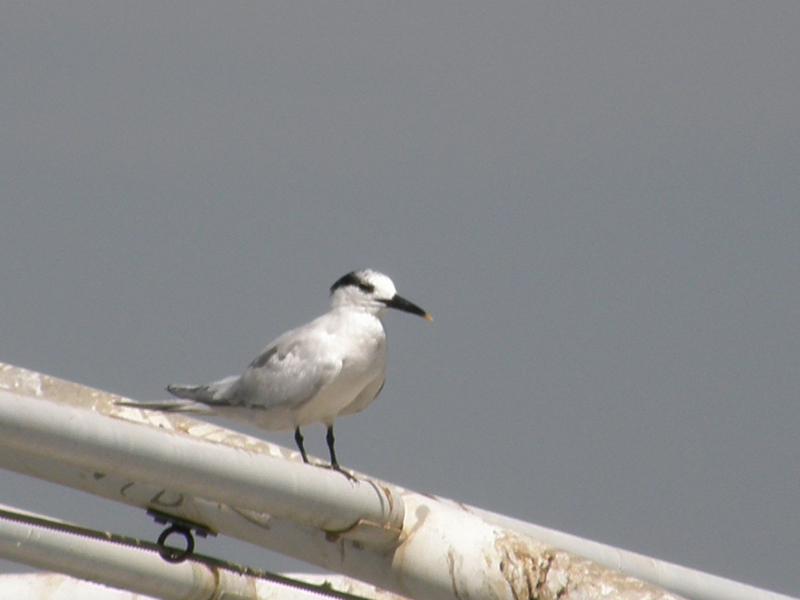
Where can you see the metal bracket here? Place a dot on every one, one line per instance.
(182, 527)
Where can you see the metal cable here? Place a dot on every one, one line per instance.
(210, 561)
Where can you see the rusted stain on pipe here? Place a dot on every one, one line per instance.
(527, 568)
(535, 571)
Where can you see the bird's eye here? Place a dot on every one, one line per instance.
(367, 288)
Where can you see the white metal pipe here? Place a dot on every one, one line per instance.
(470, 558)
(118, 566)
(310, 495)
(138, 571)
(56, 586)
(447, 553)
(687, 582)
(446, 550)
(443, 553)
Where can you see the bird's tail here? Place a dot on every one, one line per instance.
(213, 394)
(183, 406)
(192, 398)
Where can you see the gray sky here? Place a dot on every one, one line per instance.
(599, 203)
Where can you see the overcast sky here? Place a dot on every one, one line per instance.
(598, 202)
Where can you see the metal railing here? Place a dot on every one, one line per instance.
(411, 544)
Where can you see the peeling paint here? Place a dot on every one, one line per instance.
(527, 567)
(535, 571)
(389, 497)
(260, 520)
(421, 514)
(21, 381)
(167, 498)
(124, 489)
(453, 568)
(406, 537)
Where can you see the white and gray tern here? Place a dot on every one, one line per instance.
(335, 365)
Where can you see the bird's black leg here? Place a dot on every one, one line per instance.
(330, 440)
(298, 438)
(335, 463)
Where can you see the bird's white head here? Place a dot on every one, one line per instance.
(371, 291)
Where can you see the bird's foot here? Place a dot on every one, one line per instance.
(338, 469)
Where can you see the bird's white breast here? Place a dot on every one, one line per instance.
(358, 341)
(348, 343)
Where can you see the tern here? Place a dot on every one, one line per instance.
(333, 366)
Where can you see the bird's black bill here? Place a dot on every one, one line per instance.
(401, 303)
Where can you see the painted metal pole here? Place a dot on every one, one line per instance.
(687, 582)
(56, 586)
(34, 540)
(432, 549)
(119, 566)
(309, 495)
(437, 552)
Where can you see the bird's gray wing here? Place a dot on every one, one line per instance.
(288, 373)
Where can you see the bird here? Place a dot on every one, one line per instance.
(332, 366)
